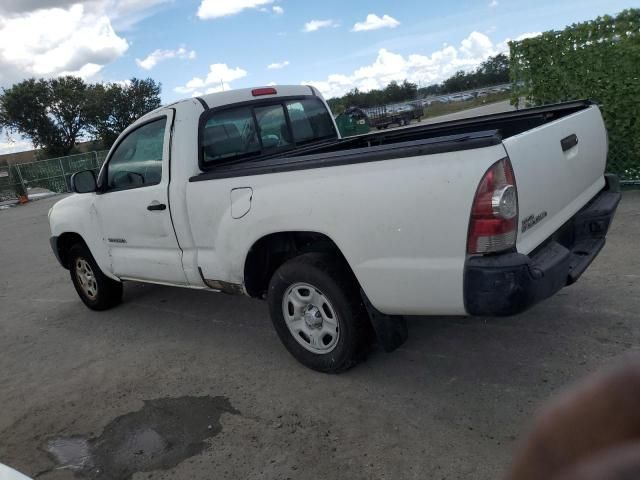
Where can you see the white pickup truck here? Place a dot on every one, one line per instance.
(254, 192)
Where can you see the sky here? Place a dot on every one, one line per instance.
(195, 47)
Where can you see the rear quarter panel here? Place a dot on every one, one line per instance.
(401, 224)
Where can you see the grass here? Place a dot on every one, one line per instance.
(438, 109)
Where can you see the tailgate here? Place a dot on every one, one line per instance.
(558, 168)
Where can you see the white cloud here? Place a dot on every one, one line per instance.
(493, 4)
(23, 6)
(13, 145)
(121, 8)
(223, 8)
(503, 47)
(314, 25)
(219, 78)
(524, 36)
(278, 10)
(157, 56)
(374, 22)
(122, 83)
(476, 45)
(278, 65)
(426, 69)
(56, 41)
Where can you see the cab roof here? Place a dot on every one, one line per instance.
(219, 99)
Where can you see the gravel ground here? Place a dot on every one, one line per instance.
(449, 404)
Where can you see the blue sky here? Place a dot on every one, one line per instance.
(253, 39)
(197, 46)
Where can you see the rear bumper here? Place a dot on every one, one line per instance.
(510, 283)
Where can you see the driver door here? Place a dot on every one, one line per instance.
(133, 206)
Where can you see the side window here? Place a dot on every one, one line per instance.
(310, 120)
(137, 160)
(229, 134)
(274, 131)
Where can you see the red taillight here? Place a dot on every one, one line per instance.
(258, 92)
(494, 214)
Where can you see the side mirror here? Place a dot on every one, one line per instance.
(84, 182)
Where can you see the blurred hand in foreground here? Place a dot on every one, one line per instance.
(590, 432)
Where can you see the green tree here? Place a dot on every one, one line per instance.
(51, 113)
(113, 107)
(598, 60)
(493, 71)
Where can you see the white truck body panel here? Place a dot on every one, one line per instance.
(405, 247)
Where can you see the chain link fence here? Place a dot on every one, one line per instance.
(52, 174)
(624, 163)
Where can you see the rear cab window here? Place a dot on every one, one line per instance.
(249, 131)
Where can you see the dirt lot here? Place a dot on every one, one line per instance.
(186, 384)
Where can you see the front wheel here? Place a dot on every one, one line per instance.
(96, 290)
(318, 314)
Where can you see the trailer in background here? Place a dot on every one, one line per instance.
(386, 115)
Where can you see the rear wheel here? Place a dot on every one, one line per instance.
(317, 312)
(96, 290)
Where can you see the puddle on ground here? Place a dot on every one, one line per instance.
(159, 436)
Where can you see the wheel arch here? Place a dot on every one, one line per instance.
(269, 252)
(63, 246)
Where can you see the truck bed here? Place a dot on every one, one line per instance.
(506, 124)
(465, 134)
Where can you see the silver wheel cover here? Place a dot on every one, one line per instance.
(311, 318)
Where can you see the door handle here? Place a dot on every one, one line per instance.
(156, 206)
(569, 142)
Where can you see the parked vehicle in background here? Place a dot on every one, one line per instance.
(385, 116)
(441, 99)
(461, 97)
(254, 192)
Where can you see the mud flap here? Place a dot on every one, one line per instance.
(391, 330)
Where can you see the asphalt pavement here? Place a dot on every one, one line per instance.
(489, 109)
(178, 383)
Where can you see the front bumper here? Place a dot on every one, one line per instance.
(510, 283)
(53, 241)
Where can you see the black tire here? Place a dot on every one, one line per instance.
(337, 284)
(108, 293)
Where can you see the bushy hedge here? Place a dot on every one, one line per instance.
(597, 60)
